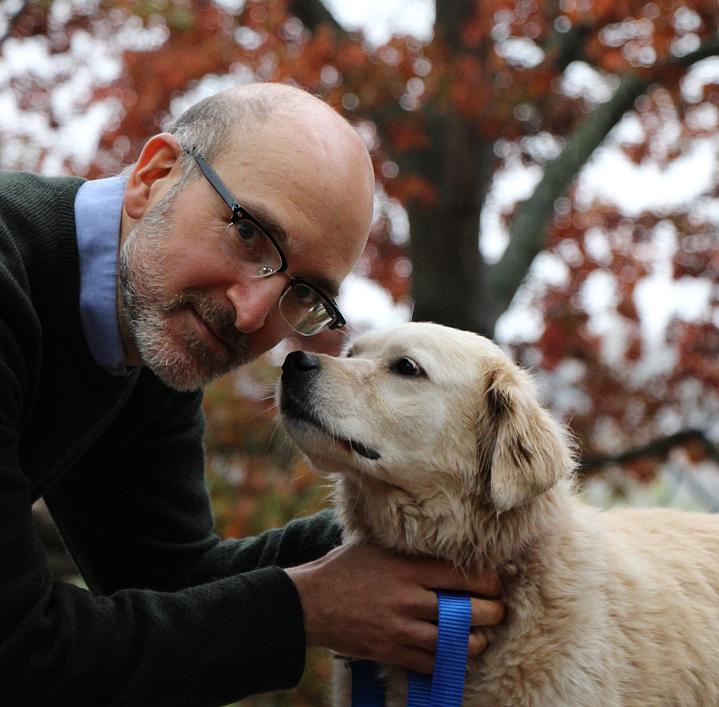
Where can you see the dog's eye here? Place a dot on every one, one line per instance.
(406, 367)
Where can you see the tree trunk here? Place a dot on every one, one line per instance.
(449, 283)
(448, 273)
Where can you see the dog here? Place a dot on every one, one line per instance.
(438, 446)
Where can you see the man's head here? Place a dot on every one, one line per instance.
(188, 309)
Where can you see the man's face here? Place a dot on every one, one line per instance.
(179, 355)
(192, 315)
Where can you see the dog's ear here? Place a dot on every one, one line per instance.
(530, 450)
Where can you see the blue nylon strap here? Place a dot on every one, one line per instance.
(455, 619)
(446, 686)
(420, 690)
(367, 685)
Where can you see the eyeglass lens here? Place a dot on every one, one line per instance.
(304, 310)
(257, 253)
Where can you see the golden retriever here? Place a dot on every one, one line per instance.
(438, 447)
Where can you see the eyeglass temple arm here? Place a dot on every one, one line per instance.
(216, 183)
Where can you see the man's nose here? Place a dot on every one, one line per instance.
(253, 300)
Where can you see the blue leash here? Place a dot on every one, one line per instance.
(446, 686)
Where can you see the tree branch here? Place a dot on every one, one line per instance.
(707, 49)
(562, 48)
(657, 448)
(529, 225)
(450, 18)
(314, 13)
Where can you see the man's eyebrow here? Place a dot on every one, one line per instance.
(270, 224)
(285, 241)
(331, 289)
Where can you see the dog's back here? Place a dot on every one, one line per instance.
(616, 608)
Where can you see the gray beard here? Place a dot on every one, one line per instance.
(188, 365)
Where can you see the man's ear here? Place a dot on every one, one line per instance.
(532, 451)
(151, 173)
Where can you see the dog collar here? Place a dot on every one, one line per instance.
(446, 685)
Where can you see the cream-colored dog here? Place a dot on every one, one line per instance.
(438, 446)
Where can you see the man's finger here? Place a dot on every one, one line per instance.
(416, 659)
(487, 613)
(484, 583)
(422, 661)
(478, 641)
(425, 606)
(421, 634)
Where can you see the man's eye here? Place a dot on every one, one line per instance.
(406, 367)
(305, 296)
(247, 231)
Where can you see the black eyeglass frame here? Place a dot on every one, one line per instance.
(239, 212)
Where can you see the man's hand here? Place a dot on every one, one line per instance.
(366, 602)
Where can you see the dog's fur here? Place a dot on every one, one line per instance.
(461, 462)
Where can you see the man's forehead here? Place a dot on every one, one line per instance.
(315, 202)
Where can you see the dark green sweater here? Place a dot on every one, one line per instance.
(174, 616)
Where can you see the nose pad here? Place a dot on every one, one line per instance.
(300, 363)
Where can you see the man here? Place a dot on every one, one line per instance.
(119, 300)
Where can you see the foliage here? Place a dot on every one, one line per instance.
(446, 119)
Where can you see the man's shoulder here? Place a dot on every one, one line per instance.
(27, 193)
(38, 181)
(37, 220)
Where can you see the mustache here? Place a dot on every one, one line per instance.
(218, 318)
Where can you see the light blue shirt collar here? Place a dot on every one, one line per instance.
(98, 209)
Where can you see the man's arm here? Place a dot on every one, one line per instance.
(136, 511)
(211, 644)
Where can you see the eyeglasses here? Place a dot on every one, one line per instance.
(303, 306)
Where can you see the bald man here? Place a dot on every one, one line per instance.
(119, 300)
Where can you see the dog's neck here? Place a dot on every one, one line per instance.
(461, 530)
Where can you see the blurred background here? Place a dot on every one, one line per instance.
(546, 175)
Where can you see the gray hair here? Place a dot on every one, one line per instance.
(210, 126)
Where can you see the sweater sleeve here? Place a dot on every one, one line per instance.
(136, 513)
(175, 616)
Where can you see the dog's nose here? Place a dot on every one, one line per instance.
(300, 362)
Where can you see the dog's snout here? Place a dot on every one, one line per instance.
(300, 362)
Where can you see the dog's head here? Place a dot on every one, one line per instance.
(425, 408)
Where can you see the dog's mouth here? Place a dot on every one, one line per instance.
(295, 409)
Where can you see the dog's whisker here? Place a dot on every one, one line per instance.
(275, 431)
(262, 412)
